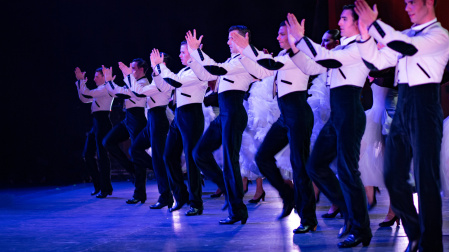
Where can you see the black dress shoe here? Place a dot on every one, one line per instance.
(232, 220)
(304, 229)
(134, 201)
(412, 246)
(194, 211)
(103, 195)
(96, 191)
(331, 215)
(286, 210)
(353, 241)
(160, 205)
(344, 230)
(179, 204)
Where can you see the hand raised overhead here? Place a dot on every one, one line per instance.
(297, 30)
(80, 75)
(126, 70)
(156, 57)
(192, 41)
(107, 72)
(366, 16)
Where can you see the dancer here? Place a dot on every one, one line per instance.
(101, 106)
(227, 128)
(319, 102)
(341, 135)
(152, 135)
(420, 54)
(185, 130)
(134, 120)
(293, 127)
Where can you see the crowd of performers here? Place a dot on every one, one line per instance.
(317, 138)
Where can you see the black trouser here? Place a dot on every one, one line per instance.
(101, 179)
(416, 131)
(340, 138)
(130, 127)
(154, 136)
(226, 129)
(294, 126)
(185, 132)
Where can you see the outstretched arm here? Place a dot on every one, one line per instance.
(214, 68)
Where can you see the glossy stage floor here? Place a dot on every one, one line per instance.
(69, 219)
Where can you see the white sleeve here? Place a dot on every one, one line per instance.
(83, 98)
(117, 91)
(98, 92)
(228, 68)
(200, 71)
(280, 62)
(175, 80)
(329, 58)
(376, 59)
(433, 42)
(306, 64)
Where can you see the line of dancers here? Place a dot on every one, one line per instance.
(403, 129)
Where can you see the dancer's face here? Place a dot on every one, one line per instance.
(184, 55)
(419, 10)
(283, 37)
(348, 26)
(328, 42)
(99, 78)
(138, 72)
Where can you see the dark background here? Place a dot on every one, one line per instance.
(45, 123)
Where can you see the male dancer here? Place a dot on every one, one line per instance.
(153, 135)
(420, 54)
(101, 106)
(293, 127)
(186, 128)
(227, 128)
(134, 120)
(340, 137)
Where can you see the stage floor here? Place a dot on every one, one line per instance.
(69, 219)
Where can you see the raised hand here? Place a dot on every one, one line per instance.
(80, 75)
(297, 30)
(366, 15)
(240, 41)
(156, 57)
(107, 72)
(192, 41)
(126, 70)
(291, 39)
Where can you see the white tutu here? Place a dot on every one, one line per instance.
(210, 113)
(262, 112)
(444, 161)
(319, 102)
(373, 144)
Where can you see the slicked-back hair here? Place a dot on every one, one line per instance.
(99, 70)
(184, 42)
(141, 63)
(242, 30)
(282, 24)
(335, 33)
(351, 7)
